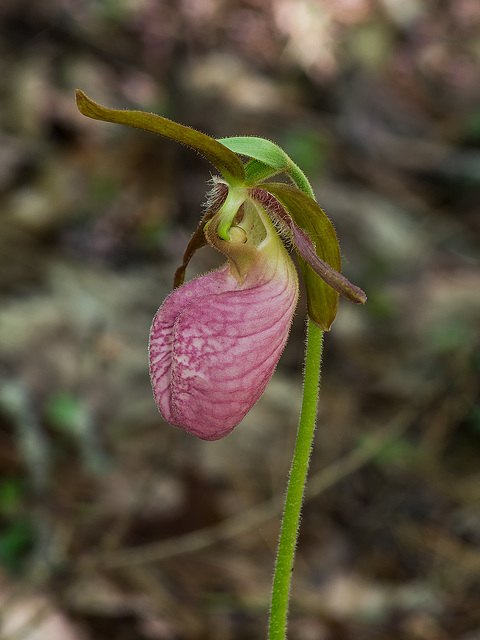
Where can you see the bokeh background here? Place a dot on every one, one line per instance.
(114, 524)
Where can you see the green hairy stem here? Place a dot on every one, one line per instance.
(296, 486)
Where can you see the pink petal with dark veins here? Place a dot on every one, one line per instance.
(214, 345)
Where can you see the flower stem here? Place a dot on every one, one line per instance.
(296, 486)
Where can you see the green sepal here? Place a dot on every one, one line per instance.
(322, 300)
(269, 154)
(225, 160)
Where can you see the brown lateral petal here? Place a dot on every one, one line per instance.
(319, 259)
(198, 240)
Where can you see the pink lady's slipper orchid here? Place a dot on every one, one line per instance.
(216, 340)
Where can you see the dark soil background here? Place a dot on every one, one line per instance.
(116, 525)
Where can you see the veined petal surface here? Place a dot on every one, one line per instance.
(215, 342)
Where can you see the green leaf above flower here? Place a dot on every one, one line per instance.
(267, 154)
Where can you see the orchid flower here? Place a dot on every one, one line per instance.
(215, 341)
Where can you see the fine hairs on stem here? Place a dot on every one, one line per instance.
(296, 486)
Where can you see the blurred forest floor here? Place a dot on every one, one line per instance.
(114, 524)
